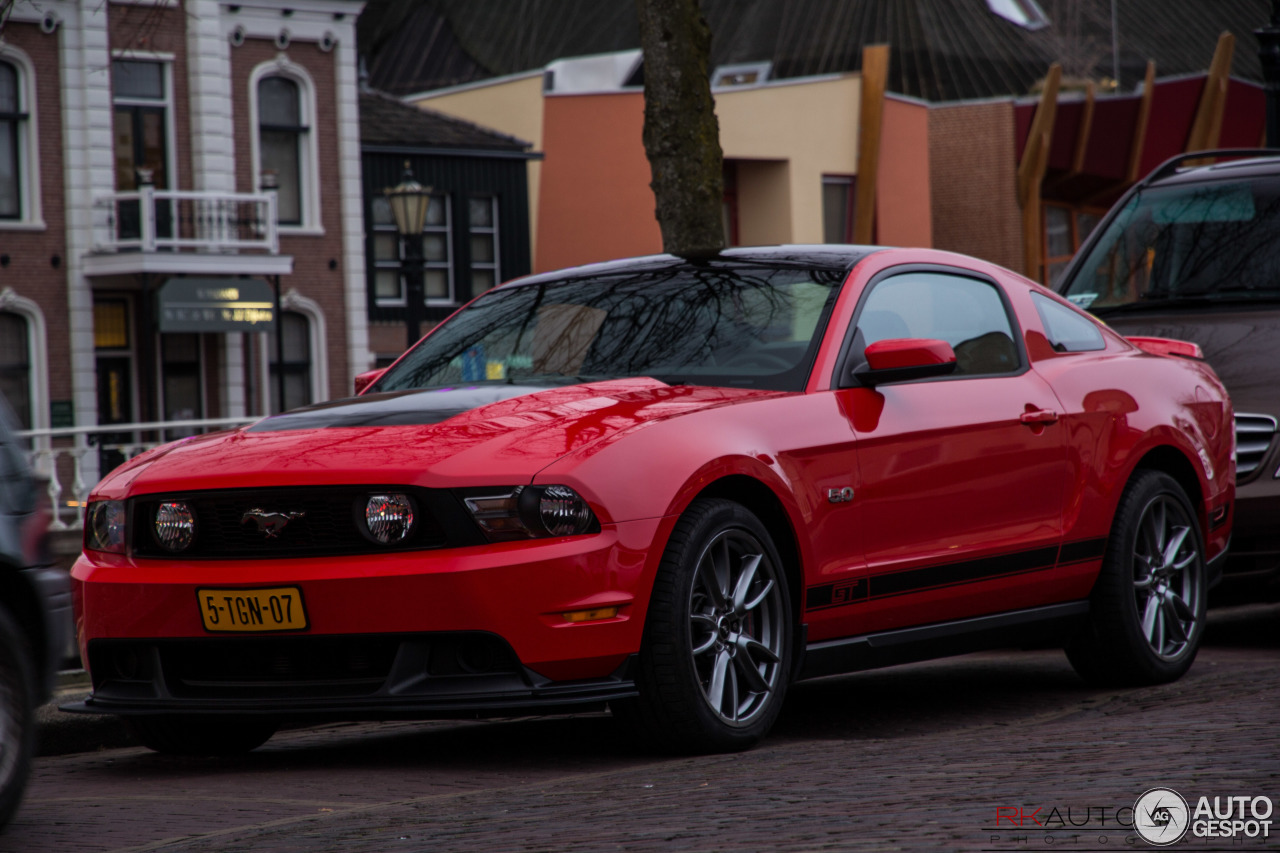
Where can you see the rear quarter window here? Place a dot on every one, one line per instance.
(1066, 330)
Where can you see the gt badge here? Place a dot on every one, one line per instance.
(270, 523)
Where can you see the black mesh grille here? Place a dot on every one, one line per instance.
(293, 522)
(297, 666)
(357, 665)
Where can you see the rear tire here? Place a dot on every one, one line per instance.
(1147, 609)
(717, 648)
(17, 715)
(202, 735)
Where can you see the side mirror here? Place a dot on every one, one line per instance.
(903, 359)
(364, 380)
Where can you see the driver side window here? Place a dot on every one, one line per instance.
(967, 313)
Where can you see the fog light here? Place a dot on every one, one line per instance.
(389, 518)
(175, 525)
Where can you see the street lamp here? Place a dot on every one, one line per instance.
(409, 201)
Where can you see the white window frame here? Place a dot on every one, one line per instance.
(319, 354)
(449, 261)
(29, 196)
(448, 264)
(37, 352)
(165, 61)
(496, 264)
(308, 147)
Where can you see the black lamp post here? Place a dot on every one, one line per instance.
(270, 183)
(409, 200)
(1269, 55)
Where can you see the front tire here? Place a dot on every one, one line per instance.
(717, 648)
(1147, 610)
(202, 735)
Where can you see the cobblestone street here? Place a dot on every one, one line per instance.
(914, 758)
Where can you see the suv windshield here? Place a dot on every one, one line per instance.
(1198, 242)
(713, 324)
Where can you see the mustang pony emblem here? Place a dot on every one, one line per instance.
(270, 523)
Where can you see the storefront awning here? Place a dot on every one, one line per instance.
(216, 305)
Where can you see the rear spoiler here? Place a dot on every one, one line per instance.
(1167, 346)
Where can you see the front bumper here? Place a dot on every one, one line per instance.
(423, 679)
(387, 635)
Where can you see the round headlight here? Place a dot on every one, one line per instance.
(104, 526)
(175, 525)
(563, 512)
(389, 518)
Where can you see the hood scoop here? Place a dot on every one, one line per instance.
(393, 408)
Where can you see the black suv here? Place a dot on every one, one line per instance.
(35, 613)
(1192, 251)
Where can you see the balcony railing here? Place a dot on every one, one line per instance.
(151, 220)
(72, 459)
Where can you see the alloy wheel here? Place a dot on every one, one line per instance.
(735, 626)
(1165, 581)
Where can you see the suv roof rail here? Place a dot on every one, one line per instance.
(1169, 166)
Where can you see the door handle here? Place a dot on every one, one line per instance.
(1039, 417)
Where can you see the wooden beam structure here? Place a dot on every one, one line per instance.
(1082, 140)
(1035, 161)
(1140, 126)
(1207, 126)
(1086, 127)
(875, 77)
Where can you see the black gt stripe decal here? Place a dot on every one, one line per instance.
(854, 590)
(1082, 551)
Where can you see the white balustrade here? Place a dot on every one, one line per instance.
(72, 454)
(151, 220)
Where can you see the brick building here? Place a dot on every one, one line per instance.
(176, 179)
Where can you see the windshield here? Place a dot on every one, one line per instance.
(1196, 242)
(714, 324)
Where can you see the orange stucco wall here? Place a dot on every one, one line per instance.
(595, 203)
(903, 215)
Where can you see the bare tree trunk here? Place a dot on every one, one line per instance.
(681, 134)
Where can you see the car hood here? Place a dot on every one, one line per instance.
(434, 438)
(1240, 346)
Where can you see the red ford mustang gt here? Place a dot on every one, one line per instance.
(672, 487)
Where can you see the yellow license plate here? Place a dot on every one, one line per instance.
(277, 609)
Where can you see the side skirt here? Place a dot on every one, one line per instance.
(1034, 626)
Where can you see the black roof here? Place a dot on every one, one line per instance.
(834, 257)
(387, 122)
(941, 50)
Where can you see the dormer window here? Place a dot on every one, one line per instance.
(744, 74)
(1024, 13)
